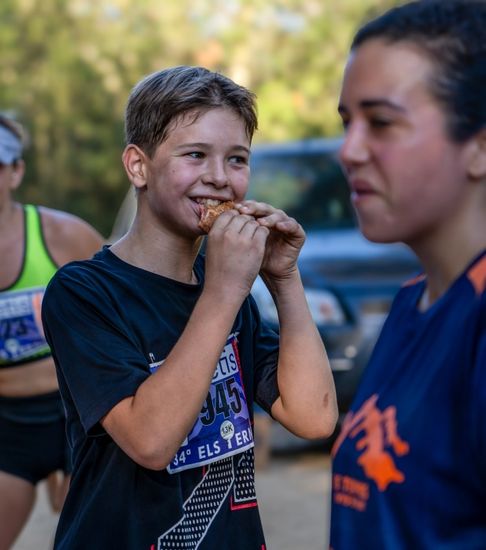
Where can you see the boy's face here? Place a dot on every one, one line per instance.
(202, 159)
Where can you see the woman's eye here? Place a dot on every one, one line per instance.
(379, 123)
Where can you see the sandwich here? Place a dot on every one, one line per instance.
(210, 210)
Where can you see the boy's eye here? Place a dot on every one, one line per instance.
(237, 159)
(195, 154)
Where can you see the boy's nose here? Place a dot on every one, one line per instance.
(216, 175)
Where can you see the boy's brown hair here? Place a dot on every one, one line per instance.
(165, 96)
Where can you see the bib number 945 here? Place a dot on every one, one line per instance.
(226, 399)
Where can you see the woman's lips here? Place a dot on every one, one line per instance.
(360, 191)
(361, 187)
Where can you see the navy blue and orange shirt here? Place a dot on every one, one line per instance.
(409, 466)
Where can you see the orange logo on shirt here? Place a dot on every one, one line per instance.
(377, 436)
(477, 276)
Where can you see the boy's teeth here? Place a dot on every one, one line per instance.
(211, 202)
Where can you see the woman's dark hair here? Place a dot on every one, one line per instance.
(165, 96)
(452, 33)
(16, 128)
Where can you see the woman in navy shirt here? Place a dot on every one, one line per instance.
(409, 466)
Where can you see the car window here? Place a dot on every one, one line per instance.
(309, 186)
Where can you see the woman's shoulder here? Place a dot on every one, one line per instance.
(67, 236)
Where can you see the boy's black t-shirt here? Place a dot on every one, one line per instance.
(111, 325)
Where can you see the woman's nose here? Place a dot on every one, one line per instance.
(354, 149)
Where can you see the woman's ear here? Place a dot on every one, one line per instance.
(135, 163)
(17, 172)
(477, 162)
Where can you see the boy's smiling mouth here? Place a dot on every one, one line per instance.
(210, 209)
(209, 202)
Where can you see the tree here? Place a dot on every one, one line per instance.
(67, 67)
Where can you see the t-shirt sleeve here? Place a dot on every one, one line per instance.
(93, 354)
(478, 391)
(266, 345)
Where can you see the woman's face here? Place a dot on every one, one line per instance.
(408, 180)
(10, 178)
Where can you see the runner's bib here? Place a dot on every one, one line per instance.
(223, 427)
(21, 332)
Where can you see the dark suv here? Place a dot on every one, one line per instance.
(349, 281)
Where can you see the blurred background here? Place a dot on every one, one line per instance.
(67, 66)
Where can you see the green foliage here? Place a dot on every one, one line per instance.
(67, 67)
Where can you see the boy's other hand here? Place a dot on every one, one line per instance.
(284, 241)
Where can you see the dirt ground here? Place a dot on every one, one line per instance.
(294, 497)
(293, 492)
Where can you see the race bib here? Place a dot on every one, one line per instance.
(21, 333)
(223, 427)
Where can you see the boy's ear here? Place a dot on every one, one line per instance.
(135, 163)
(477, 163)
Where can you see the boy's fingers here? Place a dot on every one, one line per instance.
(255, 208)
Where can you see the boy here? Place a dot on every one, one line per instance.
(161, 352)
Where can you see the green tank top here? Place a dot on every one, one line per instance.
(38, 267)
(21, 333)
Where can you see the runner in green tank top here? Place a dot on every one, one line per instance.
(34, 242)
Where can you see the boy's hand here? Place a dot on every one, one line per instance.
(234, 254)
(284, 241)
